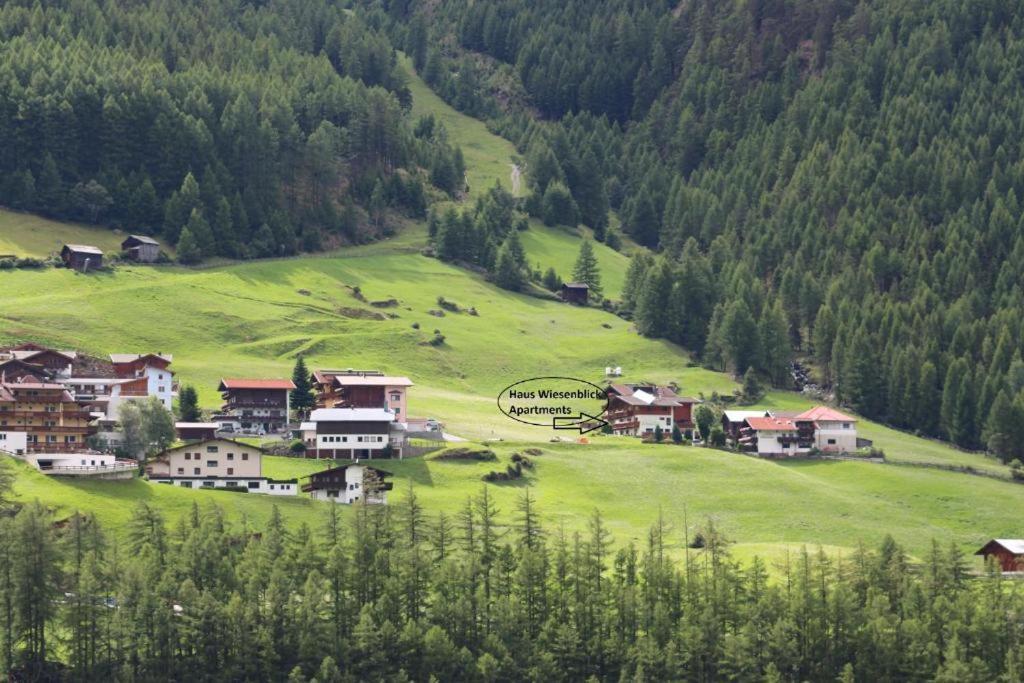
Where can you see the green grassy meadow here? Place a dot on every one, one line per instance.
(23, 234)
(253, 319)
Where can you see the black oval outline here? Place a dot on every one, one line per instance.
(603, 390)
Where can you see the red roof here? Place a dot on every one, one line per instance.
(826, 414)
(777, 424)
(227, 384)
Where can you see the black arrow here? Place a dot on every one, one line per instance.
(577, 423)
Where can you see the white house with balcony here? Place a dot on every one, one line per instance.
(217, 464)
(353, 433)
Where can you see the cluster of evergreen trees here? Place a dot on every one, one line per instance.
(238, 129)
(394, 595)
(855, 164)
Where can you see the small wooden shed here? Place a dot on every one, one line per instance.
(141, 248)
(575, 293)
(82, 257)
(1008, 553)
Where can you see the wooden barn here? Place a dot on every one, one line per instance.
(81, 257)
(575, 293)
(141, 248)
(1008, 553)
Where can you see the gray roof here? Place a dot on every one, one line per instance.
(84, 249)
(143, 239)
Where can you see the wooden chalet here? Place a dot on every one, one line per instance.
(1008, 553)
(639, 409)
(255, 405)
(362, 389)
(349, 484)
(82, 257)
(575, 293)
(141, 248)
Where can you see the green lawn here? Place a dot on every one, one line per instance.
(767, 508)
(489, 158)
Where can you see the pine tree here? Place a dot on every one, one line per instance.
(775, 349)
(302, 399)
(188, 405)
(188, 248)
(508, 274)
(587, 270)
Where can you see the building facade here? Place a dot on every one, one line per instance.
(638, 410)
(152, 373)
(216, 463)
(52, 420)
(352, 433)
(254, 405)
(362, 389)
(349, 484)
(82, 257)
(13, 443)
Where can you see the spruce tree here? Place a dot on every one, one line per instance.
(302, 399)
(587, 270)
(188, 405)
(188, 248)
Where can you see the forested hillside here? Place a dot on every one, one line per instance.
(837, 180)
(239, 129)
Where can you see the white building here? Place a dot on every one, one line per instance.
(773, 436)
(153, 369)
(87, 464)
(216, 463)
(349, 484)
(834, 432)
(353, 433)
(14, 443)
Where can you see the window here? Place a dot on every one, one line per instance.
(254, 484)
(186, 484)
(231, 470)
(211, 463)
(207, 484)
(232, 483)
(245, 456)
(181, 470)
(831, 442)
(211, 449)
(195, 471)
(231, 456)
(271, 487)
(846, 425)
(188, 456)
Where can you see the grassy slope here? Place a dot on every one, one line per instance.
(23, 234)
(251, 319)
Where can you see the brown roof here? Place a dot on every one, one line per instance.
(228, 384)
(775, 424)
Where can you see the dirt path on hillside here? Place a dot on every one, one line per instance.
(517, 179)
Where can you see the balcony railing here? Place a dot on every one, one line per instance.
(84, 470)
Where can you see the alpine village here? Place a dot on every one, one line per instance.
(493, 341)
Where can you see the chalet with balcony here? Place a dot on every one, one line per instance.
(82, 257)
(353, 433)
(40, 362)
(254, 406)
(52, 420)
(774, 437)
(735, 421)
(141, 249)
(639, 409)
(217, 463)
(349, 484)
(834, 432)
(362, 389)
(152, 374)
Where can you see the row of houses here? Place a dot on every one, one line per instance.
(53, 400)
(221, 463)
(775, 433)
(644, 409)
(85, 257)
